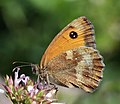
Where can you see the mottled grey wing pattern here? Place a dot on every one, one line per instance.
(81, 67)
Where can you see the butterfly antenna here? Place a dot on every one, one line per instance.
(22, 66)
(21, 62)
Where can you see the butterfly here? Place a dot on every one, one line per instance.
(71, 59)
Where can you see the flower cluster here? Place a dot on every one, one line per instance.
(22, 90)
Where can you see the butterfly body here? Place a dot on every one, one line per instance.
(72, 59)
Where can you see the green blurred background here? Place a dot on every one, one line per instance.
(28, 26)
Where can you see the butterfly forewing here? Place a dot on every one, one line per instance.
(63, 42)
(80, 67)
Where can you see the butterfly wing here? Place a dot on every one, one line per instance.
(63, 42)
(80, 67)
(71, 58)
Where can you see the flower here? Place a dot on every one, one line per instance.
(23, 90)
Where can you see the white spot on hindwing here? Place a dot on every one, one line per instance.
(69, 54)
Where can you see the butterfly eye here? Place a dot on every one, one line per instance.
(73, 34)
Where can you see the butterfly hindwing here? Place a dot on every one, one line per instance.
(80, 67)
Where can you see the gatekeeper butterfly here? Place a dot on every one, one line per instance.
(72, 59)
